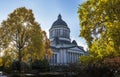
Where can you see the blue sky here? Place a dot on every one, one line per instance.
(46, 12)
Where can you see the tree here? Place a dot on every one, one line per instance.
(48, 52)
(100, 26)
(22, 36)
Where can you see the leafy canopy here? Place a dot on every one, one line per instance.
(21, 37)
(100, 26)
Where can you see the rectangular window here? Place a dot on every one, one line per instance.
(55, 58)
(58, 32)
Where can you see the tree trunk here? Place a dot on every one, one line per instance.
(19, 51)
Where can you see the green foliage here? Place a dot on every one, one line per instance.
(41, 65)
(16, 64)
(100, 26)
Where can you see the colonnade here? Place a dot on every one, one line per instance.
(73, 57)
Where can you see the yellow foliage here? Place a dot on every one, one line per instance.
(22, 37)
(0, 61)
(100, 26)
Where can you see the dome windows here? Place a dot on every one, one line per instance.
(59, 29)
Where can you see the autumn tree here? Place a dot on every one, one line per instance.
(100, 26)
(48, 52)
(21, 36)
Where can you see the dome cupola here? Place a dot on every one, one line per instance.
(59, 23)
(59, 29)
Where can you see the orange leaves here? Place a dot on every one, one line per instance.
(112, 63)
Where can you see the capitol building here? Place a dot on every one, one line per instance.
(64, 50)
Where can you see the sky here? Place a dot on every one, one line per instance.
(46, 12)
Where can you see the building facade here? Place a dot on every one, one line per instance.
(64, 51)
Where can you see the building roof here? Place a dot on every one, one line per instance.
(74, 42)
(54, 47)
(59, 23)
(58, 41)
(61, 42)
